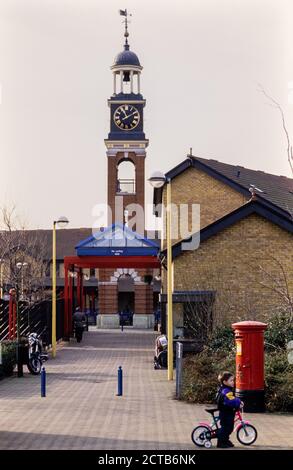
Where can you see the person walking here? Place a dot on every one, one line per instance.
(78, 322)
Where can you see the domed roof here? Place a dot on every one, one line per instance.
(126, 57)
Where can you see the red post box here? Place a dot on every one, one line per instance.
(249, 339)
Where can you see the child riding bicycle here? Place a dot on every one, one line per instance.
(230, 417)
(228, 404)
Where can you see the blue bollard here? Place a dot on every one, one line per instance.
(43, 382)
(120, 382)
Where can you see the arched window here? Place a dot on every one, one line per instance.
(126, 177)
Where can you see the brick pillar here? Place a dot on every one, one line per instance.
(108, 301)
(139, 299)
(143, 306)
(149, 300)
(143, 303)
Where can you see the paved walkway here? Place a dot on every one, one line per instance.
(81, 410)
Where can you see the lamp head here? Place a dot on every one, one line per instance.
(62, 221)
(21, 265)
(157, 179)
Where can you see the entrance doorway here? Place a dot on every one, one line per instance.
(126, 298)
(130, 258)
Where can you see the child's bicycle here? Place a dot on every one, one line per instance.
(204, 432)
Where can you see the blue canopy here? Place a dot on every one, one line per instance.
(117, 240)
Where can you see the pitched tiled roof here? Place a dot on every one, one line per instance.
(277, 191)
(66, 240)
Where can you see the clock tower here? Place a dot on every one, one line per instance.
(126, 143)
(126, 289)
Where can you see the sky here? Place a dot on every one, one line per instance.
(203, 62)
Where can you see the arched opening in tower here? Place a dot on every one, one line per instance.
(126, 177)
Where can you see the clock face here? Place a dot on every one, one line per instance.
(126, 117)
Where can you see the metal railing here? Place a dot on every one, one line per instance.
(35, 318)
(125, 186)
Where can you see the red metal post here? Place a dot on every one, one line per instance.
(66, 300)
(81, 291)
(70, 305)
(10, 316)
(83, 299)
(14, 334)
(79, 287)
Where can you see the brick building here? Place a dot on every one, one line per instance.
(134, 289)
(131, 287)
(89, 282)
(244, 262)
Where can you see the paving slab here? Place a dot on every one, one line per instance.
(81, 409)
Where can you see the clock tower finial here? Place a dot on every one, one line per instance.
(126, 33)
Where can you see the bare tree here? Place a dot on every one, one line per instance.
(213, 306)
(23, 256)
(277, 105)
(198, 316)
(276, 281)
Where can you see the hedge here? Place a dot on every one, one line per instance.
(200, 371)
(8, 358)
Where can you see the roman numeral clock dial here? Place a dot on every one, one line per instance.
(126, 117)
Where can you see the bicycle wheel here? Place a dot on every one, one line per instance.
(199, 434)
(247, 434)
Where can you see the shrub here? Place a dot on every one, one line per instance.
(200, 378)
(222, 339)
(200, 371)
(8, 353)
(279, 382)
(278, 332)
(200, 374)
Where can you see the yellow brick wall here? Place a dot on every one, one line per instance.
(216, 199)
(244, 264)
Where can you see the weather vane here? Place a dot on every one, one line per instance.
(126, 33)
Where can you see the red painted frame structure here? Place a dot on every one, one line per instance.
(12, 330)
(76, 263)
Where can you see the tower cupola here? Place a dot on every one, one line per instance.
(126, 68)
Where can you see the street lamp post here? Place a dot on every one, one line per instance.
(61, 222)
(157, 180)
(20, 266)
